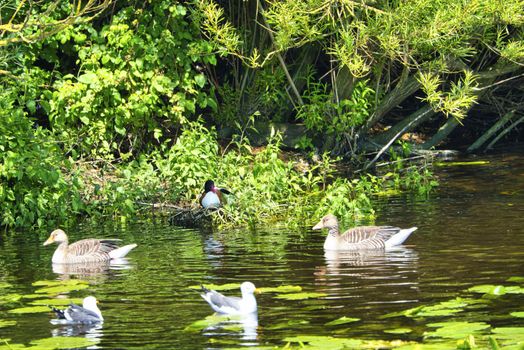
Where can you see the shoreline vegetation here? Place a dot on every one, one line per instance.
(111, 108)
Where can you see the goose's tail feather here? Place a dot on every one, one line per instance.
(121, 252)
(399, 237)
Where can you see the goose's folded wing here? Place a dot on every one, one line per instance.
(81, 315)
(92, 246)
(369, 233)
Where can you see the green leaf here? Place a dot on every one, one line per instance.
(455, 330)
(61, 289)
(200, 80)
(227, 286)
(398, 331)
(342, 320)
(280, 289)
(88, 78)
(57, 302)
(29, 310)
(7, 323)
(300, 296)
(519, 314)
(64, 342)
(51, 283)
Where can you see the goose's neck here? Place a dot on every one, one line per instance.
(332, 239)
(60, 252)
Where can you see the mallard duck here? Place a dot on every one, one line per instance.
(363, 237)
(86, 250)
(87, 313)
(212, 197)
(232, 305)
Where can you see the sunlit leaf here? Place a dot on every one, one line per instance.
(29, 310)
(300, 296)
(287, 325)
(519, 314)
(517, 279)
(7, 323)
(51, 283)
(57, 302)
(61, 289)
(342, 320)
(280, 289)
(211, 320)
(479, 162)
(10, 298)
(398, 331)
(64, 342)
(227, 286)
(455, 330)
(5, 285)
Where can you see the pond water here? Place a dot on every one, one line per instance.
(470, 232)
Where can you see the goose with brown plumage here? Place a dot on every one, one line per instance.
(363, 237)
(86, 250)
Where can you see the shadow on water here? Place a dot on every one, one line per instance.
(469, 233)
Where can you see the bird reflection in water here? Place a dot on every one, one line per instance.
(87, 270)
(90, 331)
(228, 324)
(366, 264)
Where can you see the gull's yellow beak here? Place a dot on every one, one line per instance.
(258, 291)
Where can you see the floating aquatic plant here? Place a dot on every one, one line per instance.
(519, 314)
(445, 308)
(221, 287)
(300, 296)
(331, 343)
(517, 279)
(6, 323)
(61, 288)
(455, 330)
(398, 331)
(50, 283)
(280, 289)
(10, 298)
(57, 302)
(342, 320)
(496, 290)
(63, 343)
(29, 310)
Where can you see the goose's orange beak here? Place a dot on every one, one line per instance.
(318, 226)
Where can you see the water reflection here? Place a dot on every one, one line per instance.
(85, 270)
(340, 262)
(243, 325)
(89, 331)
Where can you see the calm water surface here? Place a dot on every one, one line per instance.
(470, 232)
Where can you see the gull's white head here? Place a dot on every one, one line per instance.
(247, 288)
(90, 303)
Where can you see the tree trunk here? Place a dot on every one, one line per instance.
(491, 131)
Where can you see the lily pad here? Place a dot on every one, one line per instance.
(49, 283)
(517, 279)
(342, 320)
(508, 331)
(445, 308)
(57, 302)
(64, 342)
(455, 330)
(7, 323)
(519, 314)
(7, 346)
(4, 285)
(29, 310)
(227, 286)
(496, 290)
(398, 331)
(300, 296)
(287, 325)
(211, 320)
(280, 289)
(331, 343)
(62, 288)
(10, 298)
